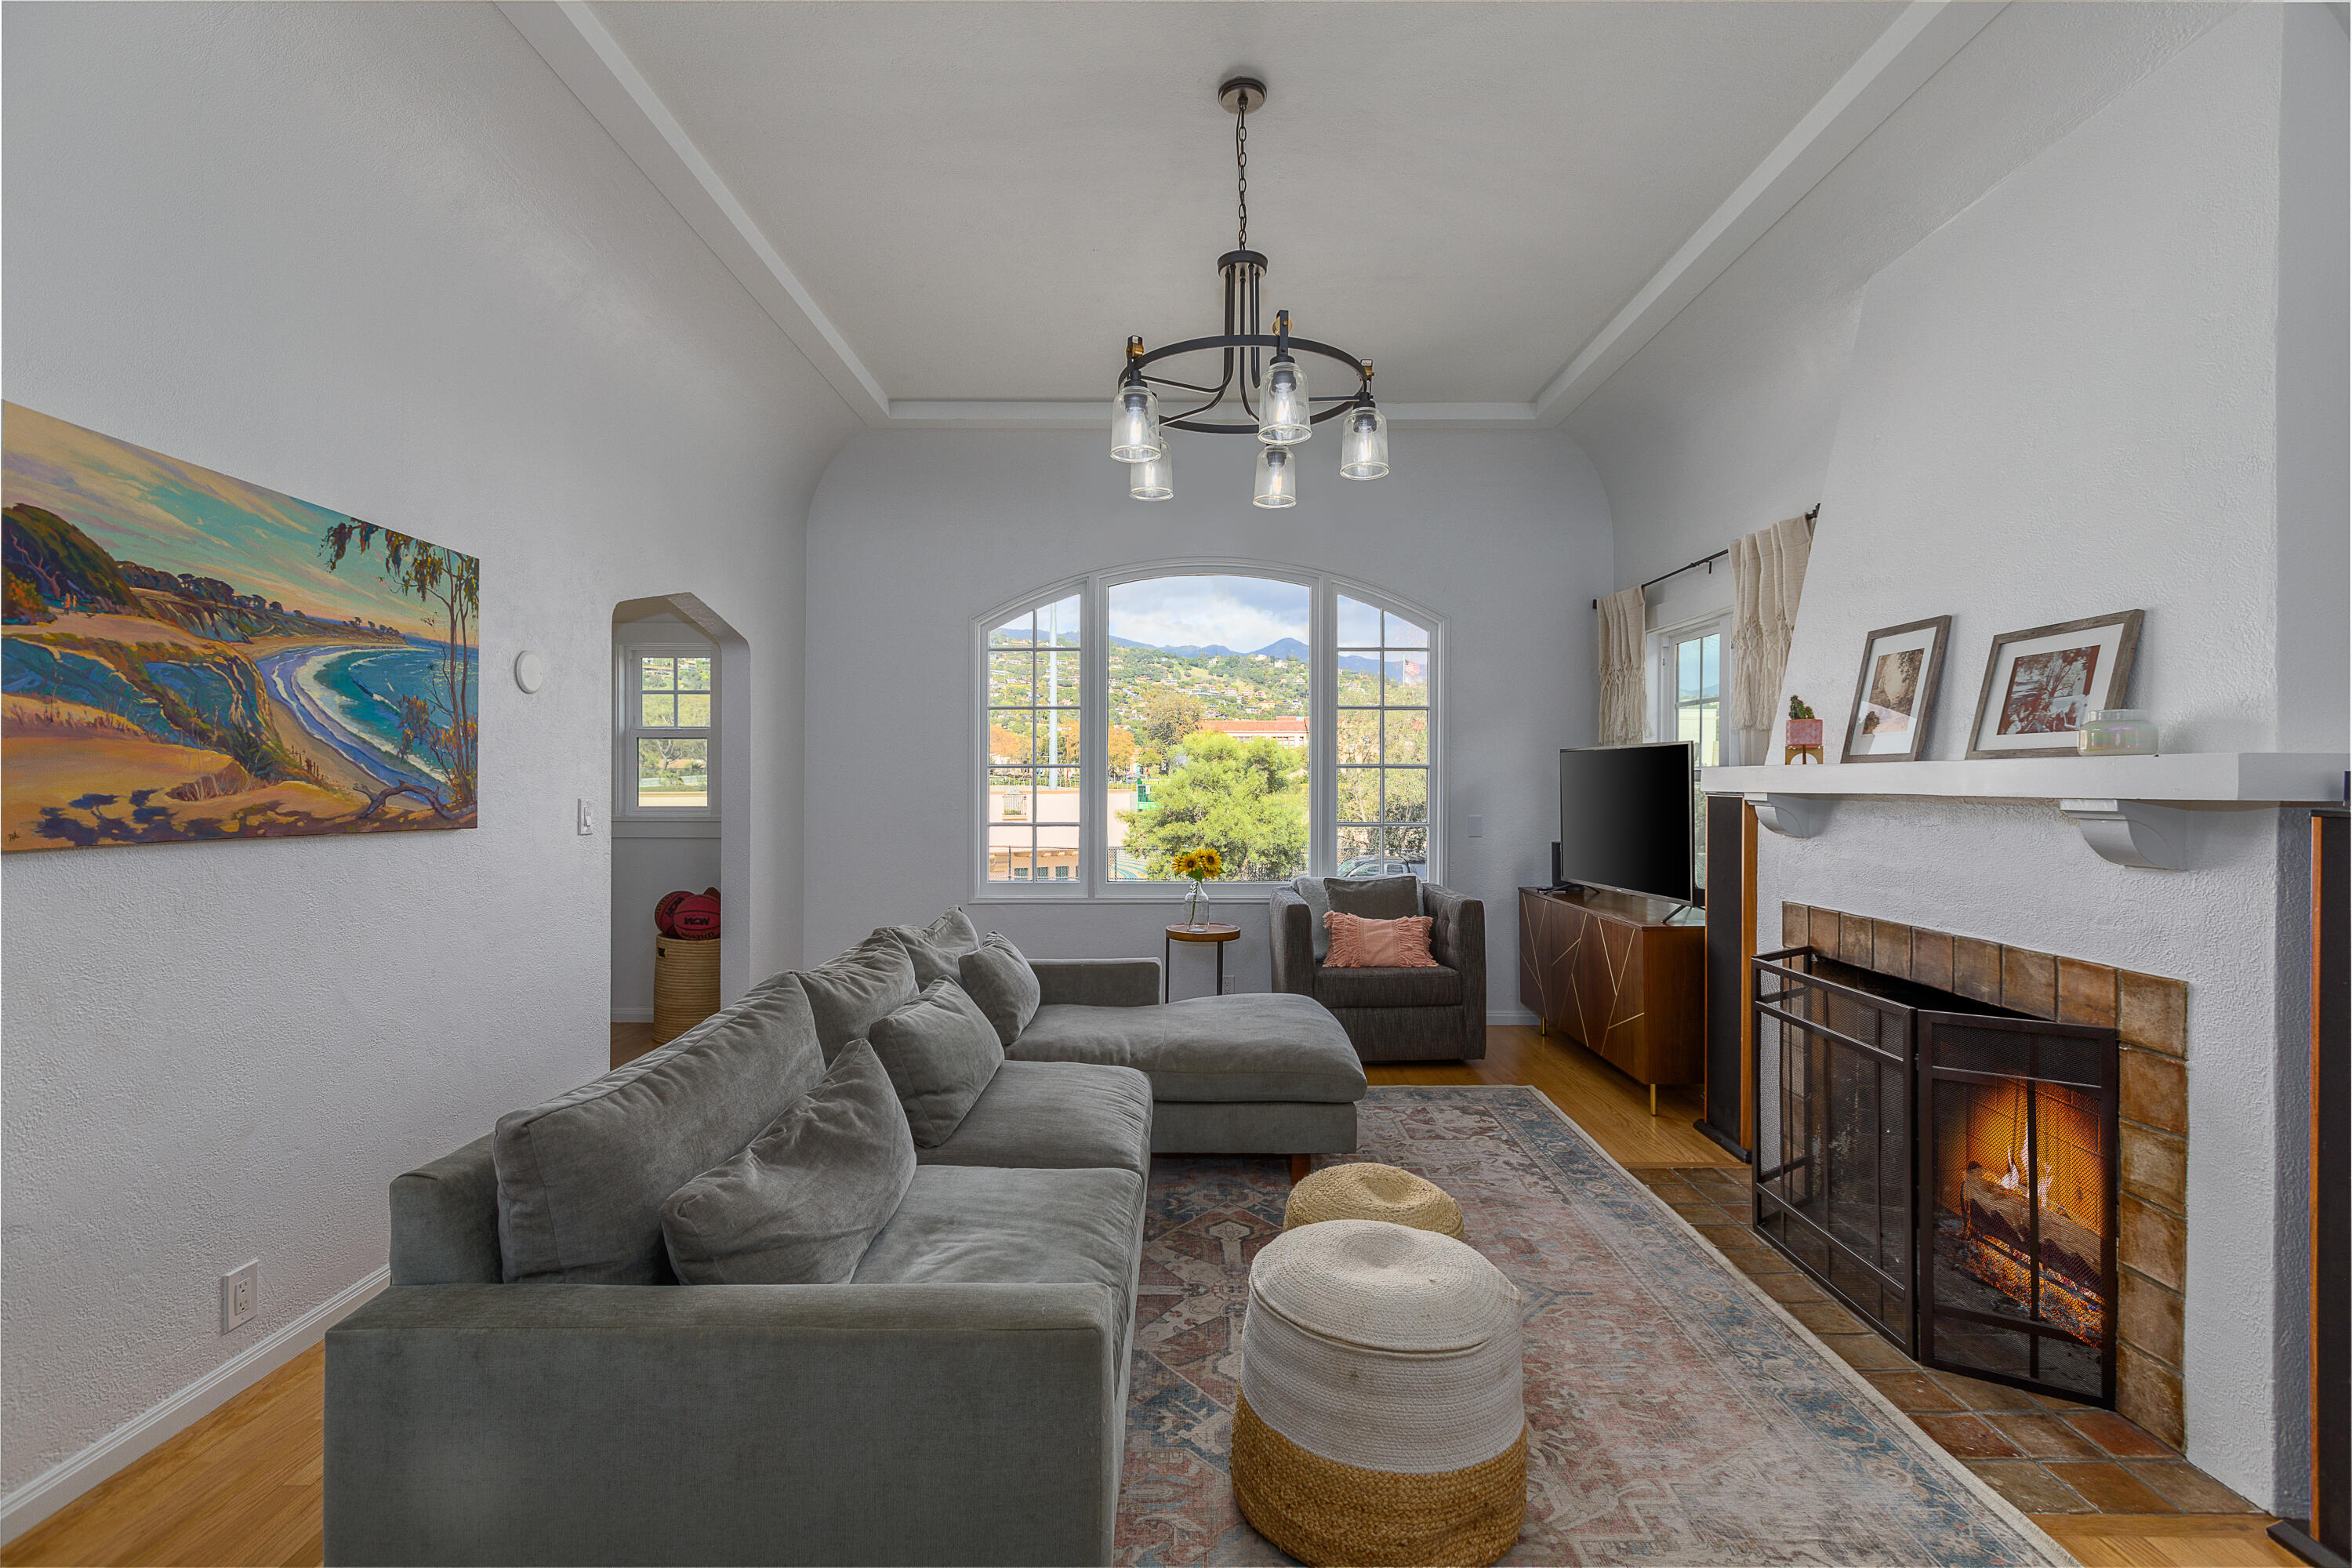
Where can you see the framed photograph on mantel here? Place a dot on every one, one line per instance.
(1895, 695)
(2041, 685)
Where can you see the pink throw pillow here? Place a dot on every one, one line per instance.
(1361, 944)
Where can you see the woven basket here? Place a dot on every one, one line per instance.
(1362, 1190)
(686, 985)
(1380, 1417)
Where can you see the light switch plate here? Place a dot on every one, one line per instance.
(587, 818)
(240, 1295)
(1477, 828)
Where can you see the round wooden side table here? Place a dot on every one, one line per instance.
(1208, 932)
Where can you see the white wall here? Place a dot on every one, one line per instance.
(378, 258)
(2069, 399)
(912, 534)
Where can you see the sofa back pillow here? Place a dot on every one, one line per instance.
(940, 1051)
(801, 1205)
(848, 993)
(1374, 898)
(1359, 943)
(936, 949)
(998, 978)
(583, 1178)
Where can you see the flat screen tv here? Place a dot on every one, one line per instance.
(1625, 818)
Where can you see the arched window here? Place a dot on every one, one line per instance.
(1287, 718)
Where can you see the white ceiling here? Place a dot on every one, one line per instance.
(954, 206)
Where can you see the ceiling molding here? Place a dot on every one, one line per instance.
(1926, 35)
(600, 75)
(592, 63)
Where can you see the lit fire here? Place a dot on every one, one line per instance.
(1995, 1223)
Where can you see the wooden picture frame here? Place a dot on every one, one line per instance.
(2084, 666)
(1883, 664)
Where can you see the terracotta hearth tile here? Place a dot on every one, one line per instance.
(2086, 994)
(2153, 1243)
(1868, 1353)
(1823, 938)
(1966, 1436)
(2148, 1315)
(1931, 958)
(1700, 1211)
(2029, 982)
(1704, 1177)
(2117, 1435)
(1975, 969)
(1728, 1237)
(2155, 1090)
(2148, 1394)
(1977, 1394)
(1853, 940)
(2052, 1402)
(1673, 1192)
(1890, 948)
(2152, 1013)
(1796, 925)
(1912, 1391)
(2155, 1165)
(1786, 1288)
(2110, 1488)
(1756, 1262)
(2189, 1488)
(2045, 1438)
(1827, 1317)
(2028, 1487)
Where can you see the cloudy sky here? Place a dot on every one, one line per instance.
(1243, 612)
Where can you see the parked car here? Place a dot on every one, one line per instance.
(1381, 866)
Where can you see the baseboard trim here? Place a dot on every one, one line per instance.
(633, 1014)
(1510, 1015)
(68, 1480)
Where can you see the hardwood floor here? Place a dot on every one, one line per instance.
(242, 1486)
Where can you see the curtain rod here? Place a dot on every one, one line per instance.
(1709, 560)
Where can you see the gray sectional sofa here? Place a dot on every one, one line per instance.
(535, 1387)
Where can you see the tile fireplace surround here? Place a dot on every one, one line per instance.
(2152, 1015)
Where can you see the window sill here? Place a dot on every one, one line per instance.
(653, 827)
(1234, 893)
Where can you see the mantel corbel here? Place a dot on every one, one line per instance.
(2133, 832)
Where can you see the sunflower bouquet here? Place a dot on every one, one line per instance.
(1200, 865)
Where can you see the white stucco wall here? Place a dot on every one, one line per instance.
(913, 534)
(378, 258)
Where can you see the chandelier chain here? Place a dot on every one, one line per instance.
(1241, 167)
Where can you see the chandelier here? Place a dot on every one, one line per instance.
(1271, 390)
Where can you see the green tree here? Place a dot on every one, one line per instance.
(1165, 716)
(1246, 800)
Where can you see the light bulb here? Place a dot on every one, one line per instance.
(1135, 423)
(1364, 444)
(1284, 416)
(1276, 477)
(1154, 479)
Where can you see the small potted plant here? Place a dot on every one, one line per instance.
(1200, 865)
(1802, 743)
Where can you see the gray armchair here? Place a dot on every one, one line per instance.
(1396, 1015)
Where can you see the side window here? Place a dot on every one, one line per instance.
(667, 735)
(1030, 815)
(1382, 676)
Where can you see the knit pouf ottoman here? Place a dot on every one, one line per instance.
(1361, 1190)
(1380, 1418)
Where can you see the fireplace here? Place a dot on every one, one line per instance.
(1947, 1169)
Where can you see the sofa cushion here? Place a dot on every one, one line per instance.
(848, 993)
(582, 1178)
(801, 1205)
(937, 947)
(977, 1224)
(940, 1051)
(1318, 904)
(1375, 897)
(1057, 1115)
(1258, 1045)
(1382, 987)
(1002, 982)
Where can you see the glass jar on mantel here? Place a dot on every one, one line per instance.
(2116, 733)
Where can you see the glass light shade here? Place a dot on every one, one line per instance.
(1135, 424)
(1277, 477)
(1154, 479)
(1283, 411)
(1364, 444)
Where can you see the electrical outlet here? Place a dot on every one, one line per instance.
(587, 818)
(1477, 828)
(240, 1291)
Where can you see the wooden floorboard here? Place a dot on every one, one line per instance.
(242, 1486)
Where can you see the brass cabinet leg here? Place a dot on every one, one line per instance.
(1653, 1099)
(1542, 1027)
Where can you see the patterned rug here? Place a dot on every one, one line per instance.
(1675, 1414)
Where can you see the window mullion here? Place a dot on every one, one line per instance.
(1323, 730)
(1093, 736)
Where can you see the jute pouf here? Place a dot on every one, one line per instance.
(1362, 1190)
(1380, 1418)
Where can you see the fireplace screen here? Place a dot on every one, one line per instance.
(2017, 1125)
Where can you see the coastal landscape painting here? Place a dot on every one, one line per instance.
(188, 657)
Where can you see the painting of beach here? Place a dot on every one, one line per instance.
(187, 657)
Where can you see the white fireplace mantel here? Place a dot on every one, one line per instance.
(2133, 810)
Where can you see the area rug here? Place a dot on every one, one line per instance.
(1675, 1414)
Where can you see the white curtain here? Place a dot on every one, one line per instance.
(1624, 622)
(1767, 576)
